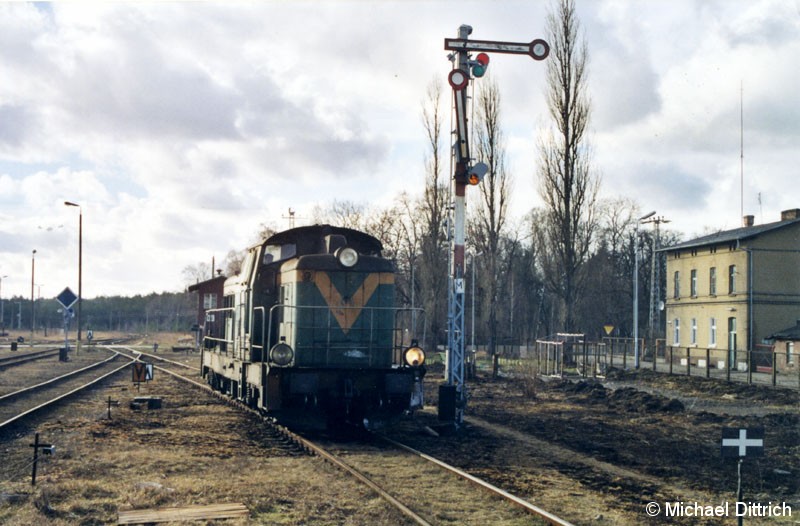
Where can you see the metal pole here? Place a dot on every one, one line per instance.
(33, 305)
(80, 274)
(80, 269)
(739, 489)
(2, 312)
(636, 287)
(472, 331)
(455, 333)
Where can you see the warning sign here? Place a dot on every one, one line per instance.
(142, 372)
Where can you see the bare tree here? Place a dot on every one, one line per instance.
(347, 214)
(488, 226)
(568, 184)
(192, 274)
(431, 265)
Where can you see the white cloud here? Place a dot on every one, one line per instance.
(181, 127)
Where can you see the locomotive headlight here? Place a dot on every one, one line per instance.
(281, 354)
(414, 355)
(347, 256)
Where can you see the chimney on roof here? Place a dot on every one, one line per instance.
(788, 215)
(748, 221)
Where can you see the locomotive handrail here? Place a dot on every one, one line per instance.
(252, 323)
(213, 338)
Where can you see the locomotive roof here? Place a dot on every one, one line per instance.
(311, 239)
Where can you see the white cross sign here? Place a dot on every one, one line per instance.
(735, 442)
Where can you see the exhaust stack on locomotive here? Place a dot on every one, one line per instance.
(310, 325)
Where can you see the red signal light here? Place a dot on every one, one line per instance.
(482, 62)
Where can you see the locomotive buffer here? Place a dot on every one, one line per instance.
(453, 396)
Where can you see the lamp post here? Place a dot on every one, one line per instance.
(80, 268)
(636, 289)
(33, 305)
(2, 311)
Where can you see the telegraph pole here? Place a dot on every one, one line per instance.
(453, 395)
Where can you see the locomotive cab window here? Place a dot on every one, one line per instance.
(273, 253)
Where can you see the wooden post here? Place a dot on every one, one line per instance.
(671, 356)
(655, 354)
(688, 361)
(774, 368)
(35, 447)
(728, 368)
(624, 357)
(708, 362)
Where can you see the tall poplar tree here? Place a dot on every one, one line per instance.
(568, 184)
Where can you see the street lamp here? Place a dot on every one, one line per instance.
(80, 268)
(636, 288)
(33, 305)
(2, 312)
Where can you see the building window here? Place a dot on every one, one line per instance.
(676, 331)
(694, 331)
(209, 301)
(676, 285)
(694, 283)
(712, 281)
(712, 335)
(732, 279)
(789, 352)
(732, 334)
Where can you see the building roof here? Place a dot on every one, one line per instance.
(729, 236)
(205, 284)
(792, 333)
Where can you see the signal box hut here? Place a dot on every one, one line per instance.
(785, 343)
(209, 296)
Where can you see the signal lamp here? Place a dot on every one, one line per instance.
(475, 174)
(414, 355)
(479, 69)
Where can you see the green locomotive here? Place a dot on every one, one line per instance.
(309, 327)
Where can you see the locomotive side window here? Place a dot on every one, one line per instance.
(273, 253)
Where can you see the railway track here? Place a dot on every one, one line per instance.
(17, 359)
(19, 404)
(444, 494)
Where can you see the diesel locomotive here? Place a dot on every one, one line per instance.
(309, 327)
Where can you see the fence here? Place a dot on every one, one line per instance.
(762, 365)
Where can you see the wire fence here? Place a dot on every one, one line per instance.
(572, 356)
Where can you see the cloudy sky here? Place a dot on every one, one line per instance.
(181, 127)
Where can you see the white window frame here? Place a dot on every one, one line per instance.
(694, 331)
(209, 300)
(712, 333)
(676, 332)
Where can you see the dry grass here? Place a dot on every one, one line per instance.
(195, 450)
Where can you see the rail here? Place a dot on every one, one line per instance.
(315, 449)
(62, 396)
